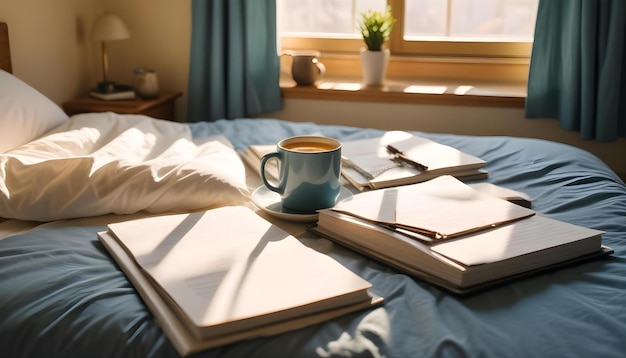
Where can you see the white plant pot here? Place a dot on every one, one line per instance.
(374, 66)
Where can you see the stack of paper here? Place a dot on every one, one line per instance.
(218, 276)
(441, 208)
(252, 156)
(369, 164)
(449, 234)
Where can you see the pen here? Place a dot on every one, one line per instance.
(400, 155)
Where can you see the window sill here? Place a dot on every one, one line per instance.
(440, 81)
(410, 92)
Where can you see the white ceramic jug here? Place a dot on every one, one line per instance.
(146, 83)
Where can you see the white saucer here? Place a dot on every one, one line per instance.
(269, 202)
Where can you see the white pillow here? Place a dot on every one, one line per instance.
(25, 114)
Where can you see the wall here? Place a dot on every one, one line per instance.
(52, 52)
(49, 44)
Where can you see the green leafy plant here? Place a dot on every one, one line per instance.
(376, 27)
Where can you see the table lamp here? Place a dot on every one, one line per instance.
(108, 27)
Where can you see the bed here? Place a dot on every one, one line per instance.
(62, 295)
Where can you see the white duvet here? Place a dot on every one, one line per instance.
(100, 163)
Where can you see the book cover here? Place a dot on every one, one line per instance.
(121, 92)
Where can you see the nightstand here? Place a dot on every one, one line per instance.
(162, 107)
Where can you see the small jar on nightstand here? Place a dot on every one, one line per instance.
(146, 83)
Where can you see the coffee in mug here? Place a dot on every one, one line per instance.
(310, 168)
(309, 147)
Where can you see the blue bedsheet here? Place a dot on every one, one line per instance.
(61, 294)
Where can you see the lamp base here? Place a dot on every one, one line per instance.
(108, 87)
(105, 87)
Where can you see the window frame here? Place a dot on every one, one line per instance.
(491, 61)
(399, 46)
(453, 48)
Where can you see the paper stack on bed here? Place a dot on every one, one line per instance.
(252, 156)
(223, 275)
(368, 164)
(447, 233)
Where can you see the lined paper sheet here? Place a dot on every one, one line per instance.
(522, 237)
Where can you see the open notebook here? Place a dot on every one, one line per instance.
(368, 163)
(222, 275)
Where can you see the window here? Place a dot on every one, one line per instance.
(444, 28)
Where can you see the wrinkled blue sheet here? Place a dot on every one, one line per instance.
(61, 294)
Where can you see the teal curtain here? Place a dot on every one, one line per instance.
(577, 68)
(234, 64)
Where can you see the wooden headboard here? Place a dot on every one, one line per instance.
(5, 50)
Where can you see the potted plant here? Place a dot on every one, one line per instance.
(375, 27)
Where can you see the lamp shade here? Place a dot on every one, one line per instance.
(109, 27)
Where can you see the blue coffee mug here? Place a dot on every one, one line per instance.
(310, 168)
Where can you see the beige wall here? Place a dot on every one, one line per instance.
(48, 41)
(52, 52)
